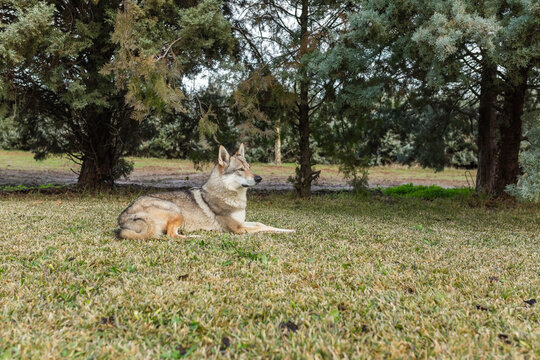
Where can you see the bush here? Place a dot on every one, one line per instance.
(10, 137)
(458, 150)
(425, 192)
(528, 185)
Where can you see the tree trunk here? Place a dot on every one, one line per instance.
(97, 131)
(277, 146)
(96, 172)
(487, 130)
(510, 128)
(99, 154)
(304, 175)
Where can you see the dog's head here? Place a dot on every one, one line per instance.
(234, 170)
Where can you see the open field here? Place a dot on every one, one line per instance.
(19, 168)
(362, 278)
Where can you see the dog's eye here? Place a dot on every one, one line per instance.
(241, 169)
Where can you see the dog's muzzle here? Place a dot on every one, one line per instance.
(257, 180)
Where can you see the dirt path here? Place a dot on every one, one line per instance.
(142, 177)
(170, 178)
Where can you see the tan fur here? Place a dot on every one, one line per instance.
(173, 225)
(220, 205)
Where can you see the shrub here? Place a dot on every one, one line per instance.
(528, 185)
(425, 192)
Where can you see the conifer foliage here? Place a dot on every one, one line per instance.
(441, 63)
(81, 75)
(281, 39)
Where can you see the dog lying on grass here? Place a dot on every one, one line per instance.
(219, 205)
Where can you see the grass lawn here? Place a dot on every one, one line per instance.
(362, 278)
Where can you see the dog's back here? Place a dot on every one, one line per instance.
(148, 216)
(196, 212)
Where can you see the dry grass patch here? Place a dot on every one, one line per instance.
(19, 167)
(375, 278)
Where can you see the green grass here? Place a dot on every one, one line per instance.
(24, 188)
(425, 192)
(362, 278)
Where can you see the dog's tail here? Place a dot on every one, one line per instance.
(136, 226)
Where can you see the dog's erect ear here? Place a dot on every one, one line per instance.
(223, 156)
(240, 151)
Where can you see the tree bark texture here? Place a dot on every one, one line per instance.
(487, 130)
(510, 129)
(304, 176)
(277, 146)
(100, 156)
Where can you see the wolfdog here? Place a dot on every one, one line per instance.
(219, 205)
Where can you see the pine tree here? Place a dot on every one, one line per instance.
(499, 42)
(437, 63)
(81, 75)
(281, 37)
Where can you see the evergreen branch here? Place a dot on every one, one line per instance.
(252, 46)
(282, 9)
(167, 50)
